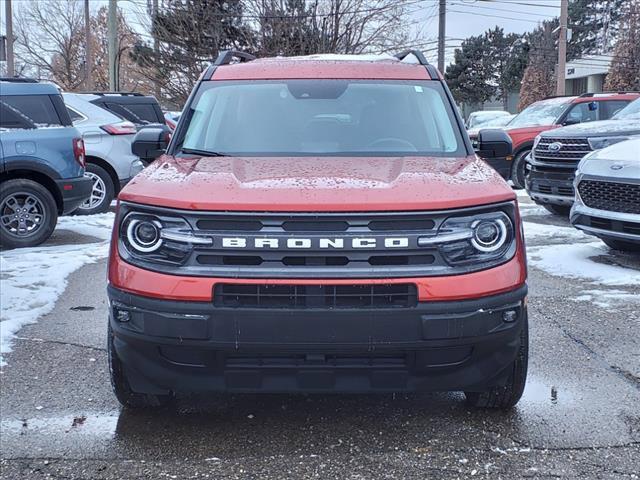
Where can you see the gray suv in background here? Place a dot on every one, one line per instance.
(107, 139)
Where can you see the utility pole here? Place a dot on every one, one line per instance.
(562, 47)
(442, 26)
(11, 70)
(156, 51)
(88, 60)
(112, 20)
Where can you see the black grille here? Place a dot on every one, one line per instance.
(229, 295)
(571, 151)
(611, 196)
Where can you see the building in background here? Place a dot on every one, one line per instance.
(587, 74)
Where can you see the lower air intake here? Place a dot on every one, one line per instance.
(228, 295)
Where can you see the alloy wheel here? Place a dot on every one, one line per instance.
(22, 214)
(98, 192)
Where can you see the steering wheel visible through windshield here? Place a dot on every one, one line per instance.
(323, 117)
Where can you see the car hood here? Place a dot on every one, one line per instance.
(597, 129)
(621, 160)
(317, 184)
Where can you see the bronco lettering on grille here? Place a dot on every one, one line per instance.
(319, 243)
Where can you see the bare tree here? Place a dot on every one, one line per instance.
(294, 27)
(47, 40)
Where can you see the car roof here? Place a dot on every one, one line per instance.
(322, 67)
(28, 88)
(81, 102)
(120, 98)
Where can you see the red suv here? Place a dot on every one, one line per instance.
(553, 113)
(318, 225)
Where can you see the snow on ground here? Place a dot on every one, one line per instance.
(604, 298)
(34, 278)
(575, 261)
(540, 231)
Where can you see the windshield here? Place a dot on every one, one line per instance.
(540, 113)
(630, 112)
(485, 119)
(322, 117)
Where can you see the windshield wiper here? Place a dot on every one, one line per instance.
(204, 153)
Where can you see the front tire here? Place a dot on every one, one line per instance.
(518, 170)
(621, 245)
(28, 213)
(120, 384)
(102, 192)
(507, 395)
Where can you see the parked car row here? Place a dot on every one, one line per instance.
(550, 114)
(64, 153)
(592, 173)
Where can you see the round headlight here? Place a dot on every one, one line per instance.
(144, 235)
(489, 235)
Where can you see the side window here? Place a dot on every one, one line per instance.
(610, 108)
(38, 109)
(76, 117)
(125, 112)
(145, 111)
(11, 119)
(582, 112)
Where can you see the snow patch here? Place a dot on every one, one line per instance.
(575, 261)
(605, 298)
(538, 230)
(33, 278)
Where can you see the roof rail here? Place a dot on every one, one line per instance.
(18, 80)
(591, 94)
(226, 56)
(124, 94)
(416, 53)
(433, 72)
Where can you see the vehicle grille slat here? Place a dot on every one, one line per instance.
(227, 295)
(611, 196)
(569, 154)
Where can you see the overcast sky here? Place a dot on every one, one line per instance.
(464, 17)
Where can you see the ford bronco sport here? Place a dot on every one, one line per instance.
(42, 160)
(318, 225)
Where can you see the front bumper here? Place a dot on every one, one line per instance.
(74, 192)
(606, 224)
(183, 346)
(552, 188)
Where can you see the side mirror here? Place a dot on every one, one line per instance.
(151, 142)
(494, 143)
(571, 121)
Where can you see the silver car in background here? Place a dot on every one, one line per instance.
(107, 140)
(607, 202)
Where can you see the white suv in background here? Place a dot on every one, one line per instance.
(107, 139)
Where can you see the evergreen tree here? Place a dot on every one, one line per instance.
(469, 76)
(595, 26)
(625, 67)
(287, 28)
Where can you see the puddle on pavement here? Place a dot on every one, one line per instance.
(545, 393)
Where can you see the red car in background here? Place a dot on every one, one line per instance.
(554, 113)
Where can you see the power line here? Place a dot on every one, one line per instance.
(495, 16)
(475, 5)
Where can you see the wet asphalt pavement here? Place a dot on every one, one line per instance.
(579, 418)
